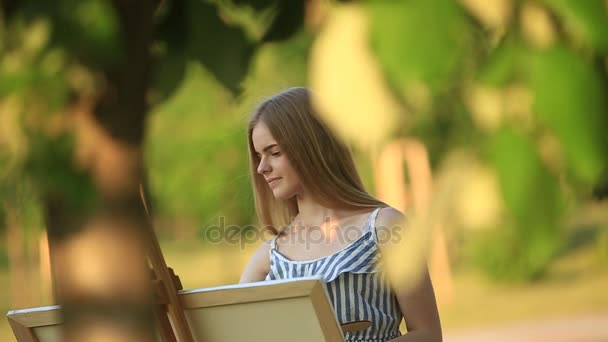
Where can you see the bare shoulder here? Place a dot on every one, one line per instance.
(390, 223)
(259, 264)
(390, 217)
(263, 250)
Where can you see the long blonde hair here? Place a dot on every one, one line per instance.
(324, 164)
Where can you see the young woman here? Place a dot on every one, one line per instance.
(307, 188)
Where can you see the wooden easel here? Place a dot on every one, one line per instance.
(172, 322)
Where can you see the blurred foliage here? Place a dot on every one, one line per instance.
(602, 246)
(519, 85)
(97, 41)
(209, 175)
(531, 234)
(413, 52)
(570, 100)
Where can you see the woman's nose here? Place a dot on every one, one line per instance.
(263, 167)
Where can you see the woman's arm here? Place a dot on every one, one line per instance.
(420, 312)
(258, 266)
(417, 304)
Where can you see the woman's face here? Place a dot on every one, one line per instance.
(274, 166)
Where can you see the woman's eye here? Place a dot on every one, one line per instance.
(276, 154)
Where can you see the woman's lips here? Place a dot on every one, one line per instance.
(274, 181)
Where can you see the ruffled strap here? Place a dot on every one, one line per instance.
(273, 243)
(371, 224)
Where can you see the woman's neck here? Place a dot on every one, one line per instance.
(310, 212)
(313, 214)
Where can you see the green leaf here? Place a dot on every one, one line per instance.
(16, 82)
(168, 74)
(418, 40)
(287, 21)
(589, 18)
(223, 49)
(255, 4)
(89, 29)
(569, 98)
(529, 190)
(530, 236)
(502, 64)
(172, 25)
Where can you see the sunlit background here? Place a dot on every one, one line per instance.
(485, 121)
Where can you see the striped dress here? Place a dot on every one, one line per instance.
(357, 286)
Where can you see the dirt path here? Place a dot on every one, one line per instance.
(588, 328)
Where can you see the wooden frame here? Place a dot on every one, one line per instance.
(295, 309)
(36, 324)
(42, 324)
(25, 321)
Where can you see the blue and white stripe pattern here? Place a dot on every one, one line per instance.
(358, 287)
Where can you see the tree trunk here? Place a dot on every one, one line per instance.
(99, 267)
